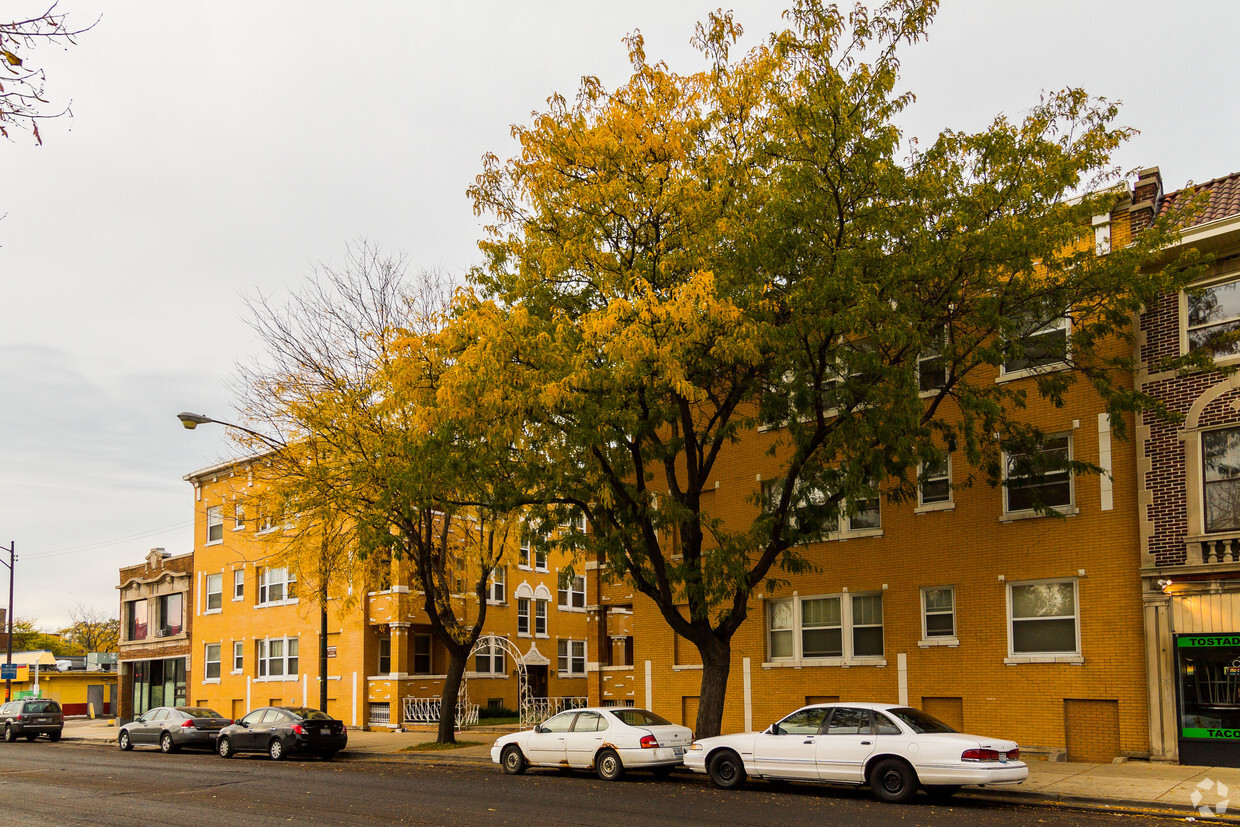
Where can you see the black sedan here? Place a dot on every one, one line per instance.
(173, 727)
(280, 730)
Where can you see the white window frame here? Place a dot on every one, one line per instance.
(1063, 323)
(214, 589)
(847, 629)
(497, 588)
(843, 527)
(930, 356)
(526, 548)
(540, 617)
(928, 639)
(267, 579)
(523, 616)
(239, 516)
(936, 505)
(496, 662)
(1015, 657)
(215, 525)
(211, 656)
(1185, 347)
(573, 654)
(1025, 513)
(238, 657)
(265, 659)
(238, 584)
(570, 598)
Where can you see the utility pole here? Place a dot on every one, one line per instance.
(8, 682)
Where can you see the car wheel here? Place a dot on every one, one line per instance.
(9, 734)
(165, 743)
(512, 760)
(893, 781)
(608, 766)
(224, 748)
(53, 736)
(123, 742)
(942, 792)
(276, 749)
(727, 771)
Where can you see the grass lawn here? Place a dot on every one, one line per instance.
(435, 746)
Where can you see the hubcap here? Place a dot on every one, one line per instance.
(726, 771)
(892, 782)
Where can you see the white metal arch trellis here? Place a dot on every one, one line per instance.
(489, 643)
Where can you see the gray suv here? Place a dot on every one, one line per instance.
(31, 718)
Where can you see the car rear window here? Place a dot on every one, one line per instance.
(42, 706)
(639, 717)
(308, 714)
(199, 712)
(919, 721)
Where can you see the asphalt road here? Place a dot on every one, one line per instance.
(44, 783)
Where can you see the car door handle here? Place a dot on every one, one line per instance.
(809, 741)
(865, 743)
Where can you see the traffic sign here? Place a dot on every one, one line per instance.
(8, 671)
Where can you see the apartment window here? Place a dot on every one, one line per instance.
(540, 558)
(171, 614)
(572, 592)
(938, 607)
(422, 660)
(526, 552)
(932, 368)
(497, 593)
(215, 592)
(540, 617)
(215, 524)
(934, 482)
(1043, 618)
(523, 615)
(840, 626)
(276, 586)
(239, 517)
(1033, 479)
(385, 655)
(135, 620)
(238, 584)
(572, 657)
(490, 660)
(238, 657)
(211, 662)
(864, 512)
(277, 657)
(266, 519)
(1214, 312)
(1220, 460)
(1046, 346)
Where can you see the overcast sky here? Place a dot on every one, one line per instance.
(222, 149)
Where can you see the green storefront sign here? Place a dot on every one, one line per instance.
(1206, 641)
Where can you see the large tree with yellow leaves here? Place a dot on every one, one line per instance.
(689, 260)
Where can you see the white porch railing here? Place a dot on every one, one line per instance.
(537, 710)
(426, 711)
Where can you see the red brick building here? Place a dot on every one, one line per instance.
(154, 650)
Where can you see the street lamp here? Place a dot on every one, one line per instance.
(192, 421)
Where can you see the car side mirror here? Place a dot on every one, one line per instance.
(774, 729)
(539, 728)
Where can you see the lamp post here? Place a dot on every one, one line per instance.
(192, 421)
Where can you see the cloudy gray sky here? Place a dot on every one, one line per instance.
(222, 149)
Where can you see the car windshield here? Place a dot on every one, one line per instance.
(42, 706)
(639, 717)
(199, 712)
(308, 714)
(919, 721)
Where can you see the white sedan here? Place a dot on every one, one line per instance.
(894, 749)
(608, 740)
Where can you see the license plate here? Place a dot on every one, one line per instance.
(1003, 759)
(678, 750)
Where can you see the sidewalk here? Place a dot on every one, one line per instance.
(1133, 785)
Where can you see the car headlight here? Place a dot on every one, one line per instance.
(695, 745)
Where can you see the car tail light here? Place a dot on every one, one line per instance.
(1013, 755)
(980, 755)
(299, 729)
(650, 742)
(188, 724)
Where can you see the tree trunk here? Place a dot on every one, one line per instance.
(457, 661)
(716, 664)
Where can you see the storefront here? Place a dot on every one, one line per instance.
(158, 683)
(1208, 689)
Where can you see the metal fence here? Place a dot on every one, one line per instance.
(426, 711)
(537, 710)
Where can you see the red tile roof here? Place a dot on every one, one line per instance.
(1223, 199)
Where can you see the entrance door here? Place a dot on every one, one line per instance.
(536, 676)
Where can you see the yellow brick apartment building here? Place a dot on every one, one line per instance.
(256, 630)
(965, 603)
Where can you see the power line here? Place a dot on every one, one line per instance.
(102, 543)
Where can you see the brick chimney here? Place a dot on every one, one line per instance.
(1146, 199)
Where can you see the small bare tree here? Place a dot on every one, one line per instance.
(21, 94)
(94, 630)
